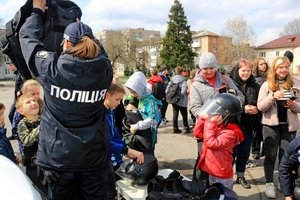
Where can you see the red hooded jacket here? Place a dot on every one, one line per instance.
(155, 79)
(218, 142)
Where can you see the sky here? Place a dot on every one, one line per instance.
(266, 17)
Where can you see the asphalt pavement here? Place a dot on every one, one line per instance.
(174, 151)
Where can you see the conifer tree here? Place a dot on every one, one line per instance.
(177, 50)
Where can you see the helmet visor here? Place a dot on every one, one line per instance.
(211, 107)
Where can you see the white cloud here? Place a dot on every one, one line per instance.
(267, 17)
(267, 35)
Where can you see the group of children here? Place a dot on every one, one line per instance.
(142, 117)
(214, 127)
(25, 128)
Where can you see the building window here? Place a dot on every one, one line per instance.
(262, 54)
(277, 53)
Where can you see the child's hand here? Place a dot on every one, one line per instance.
(134, 154)
(215, 118)
(132, 129)
(18, 161)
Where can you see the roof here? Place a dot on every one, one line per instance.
(204, 33)
(282, 42)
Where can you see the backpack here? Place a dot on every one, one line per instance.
(158, 90)
(59, 15)
(174, 93)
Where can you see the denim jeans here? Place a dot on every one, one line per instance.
(242, 152)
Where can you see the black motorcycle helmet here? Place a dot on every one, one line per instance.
(141, 174)
(224, 104)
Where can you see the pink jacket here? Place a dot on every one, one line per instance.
(266, 103)
(218, 142)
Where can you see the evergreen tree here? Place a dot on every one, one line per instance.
(177, 50)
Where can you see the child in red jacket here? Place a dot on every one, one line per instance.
(219, 137)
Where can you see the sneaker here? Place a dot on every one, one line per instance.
(270, 190)
(251, 163)
(241, 180)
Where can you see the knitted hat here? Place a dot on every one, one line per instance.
(289, 55)
(208, 59)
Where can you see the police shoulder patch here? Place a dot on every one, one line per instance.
(42, 54)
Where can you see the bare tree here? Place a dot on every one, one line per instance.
(115, 47)
(293, 27)
(242, 37)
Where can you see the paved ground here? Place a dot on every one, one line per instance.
(176, 151)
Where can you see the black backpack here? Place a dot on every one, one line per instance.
(174, 93)
(158, 90)
(59, 15)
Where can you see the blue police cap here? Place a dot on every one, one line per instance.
(76, 30)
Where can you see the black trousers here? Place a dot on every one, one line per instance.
(258, 138)
(31, 172)
(163, 109)
(87, 185)
(276, 138)
(184, 114)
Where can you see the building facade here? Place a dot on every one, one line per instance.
(277, 47)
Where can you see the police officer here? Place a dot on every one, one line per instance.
(73, 144)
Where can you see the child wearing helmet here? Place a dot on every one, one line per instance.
(219, 137)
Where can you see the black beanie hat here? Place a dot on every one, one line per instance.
(289, 55)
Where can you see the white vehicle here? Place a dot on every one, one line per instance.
(14, 184)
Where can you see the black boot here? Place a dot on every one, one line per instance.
(176, 130)
(187, 130)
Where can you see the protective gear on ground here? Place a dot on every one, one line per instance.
(141, 174)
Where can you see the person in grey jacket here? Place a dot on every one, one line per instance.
(181, 104)
(208, 82)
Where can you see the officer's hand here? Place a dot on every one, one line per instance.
(40, 4)
(48, 176)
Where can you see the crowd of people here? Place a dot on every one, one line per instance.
(71, 139)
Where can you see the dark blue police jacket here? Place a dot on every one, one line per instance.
(73, 132)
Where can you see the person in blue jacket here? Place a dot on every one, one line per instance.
(73, 149)
(118, 147)
(289, 169)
